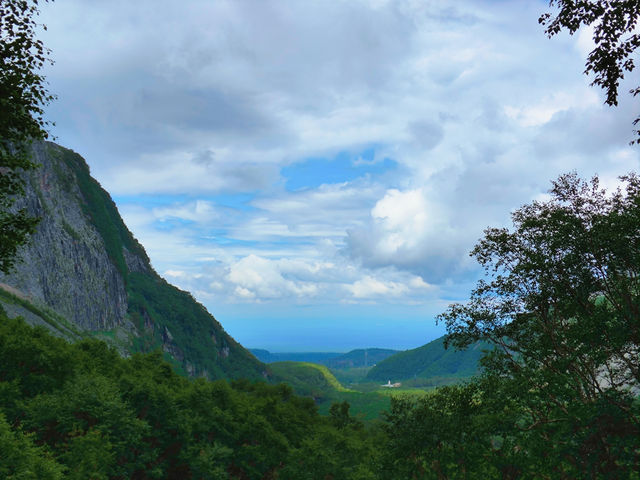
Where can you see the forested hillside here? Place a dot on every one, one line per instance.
(430, 362)
(81, 411)
(84, 265)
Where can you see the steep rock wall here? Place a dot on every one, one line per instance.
(65, 265)
(85, 265)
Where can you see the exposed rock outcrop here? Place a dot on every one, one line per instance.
(65, 265)
(84, 265)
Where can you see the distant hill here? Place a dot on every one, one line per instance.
(429, 361)
(316, 381)
(360, 358)
(307, 379)
(313, 357)
(355, 358)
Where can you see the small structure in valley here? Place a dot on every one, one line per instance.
(391, 385)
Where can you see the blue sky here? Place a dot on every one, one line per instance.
(316, 172)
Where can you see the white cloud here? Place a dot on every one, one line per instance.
(478, 109)
(369, 287)
(539, 113)
(263, 278)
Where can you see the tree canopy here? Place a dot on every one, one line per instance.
(562, 302)
(23, 96)
(615, 36)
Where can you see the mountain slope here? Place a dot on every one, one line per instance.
(84, 265)
(429, 361)
(308, 379)
(360, 358)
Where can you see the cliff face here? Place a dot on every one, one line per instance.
(83, 264)
(65, 265)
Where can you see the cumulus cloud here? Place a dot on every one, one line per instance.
(257, 277)
(379, 288)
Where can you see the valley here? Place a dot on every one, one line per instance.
(428, 224)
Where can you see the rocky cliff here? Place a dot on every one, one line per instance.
(83, 273)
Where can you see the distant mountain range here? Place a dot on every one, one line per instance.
(311, 357)
(429, 365)
(355, 358)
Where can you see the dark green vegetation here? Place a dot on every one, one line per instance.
(23, 96)
(615, 39)
(83, 410)
(430, 364)
(562, 304)
(201, 346)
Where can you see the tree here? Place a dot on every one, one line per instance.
(21, 458)
(615, 35)
(23, 96)
(562, 303)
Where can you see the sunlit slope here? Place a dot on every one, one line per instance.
(316, 381)
(429, 361)
(307, 379)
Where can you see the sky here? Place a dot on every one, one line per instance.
(316, 172)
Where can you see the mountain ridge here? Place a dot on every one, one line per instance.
(430, 361)
(84, 265)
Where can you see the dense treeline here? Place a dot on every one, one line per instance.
(81, 411)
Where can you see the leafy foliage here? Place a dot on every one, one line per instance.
(21, 458)
(615, 35)
(562, 304)
(179, 320)
(82, 409)
(23, 96)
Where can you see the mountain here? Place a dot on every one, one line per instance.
(355, 358)
(431, 361)
(84, 274)
(307, 379)
(360, 358)
(312, 357)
